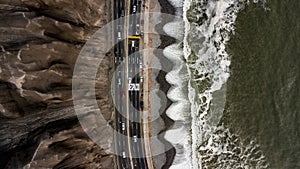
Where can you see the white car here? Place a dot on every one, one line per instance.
(135, 139)
(129, 80)
(141, 65)
(138, 32)
(141, 79)
(123, 154)
(119, 81)
(132, 43)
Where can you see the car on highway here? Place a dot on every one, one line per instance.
(123, 126)
(123, 154)
(119, 36)
(119, 81)
(130, 69)
(134, 9)
(141, 78)
(138, 31)
(135, 139)
(123, 94)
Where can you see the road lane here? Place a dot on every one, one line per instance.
(128, 107)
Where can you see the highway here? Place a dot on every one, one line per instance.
(127, 80)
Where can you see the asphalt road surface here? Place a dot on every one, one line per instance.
(127, 80)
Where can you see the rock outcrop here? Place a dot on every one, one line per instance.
(39, 43)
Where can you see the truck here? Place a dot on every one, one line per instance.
(123, 126)
(134, 9)
(119, 35)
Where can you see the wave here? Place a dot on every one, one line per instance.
(179, 111)
(198, 79)
(208, 25)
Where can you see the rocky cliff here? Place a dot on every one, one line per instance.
(39, 43)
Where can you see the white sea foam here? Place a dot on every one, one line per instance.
(207, 28)
(177, 33)
(177, 4)
(194, 83)
(179, 111)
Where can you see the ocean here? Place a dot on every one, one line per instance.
(241, 68)
(263, 96)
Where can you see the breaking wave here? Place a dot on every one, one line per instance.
(198, 89)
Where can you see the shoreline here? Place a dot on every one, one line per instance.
(157, 103)
(164, 86)
(156, 40)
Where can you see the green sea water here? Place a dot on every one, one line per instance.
(263, 91)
